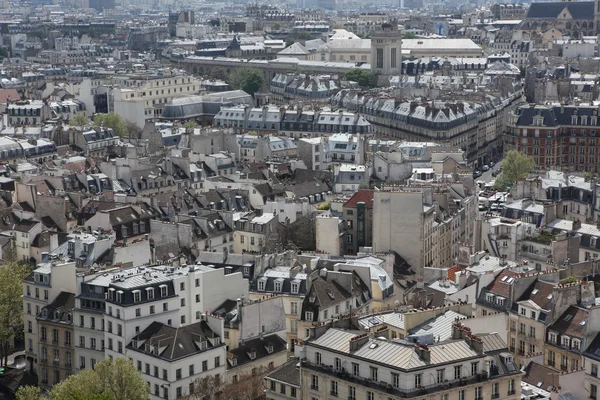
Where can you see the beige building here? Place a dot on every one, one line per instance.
(57, 340)
(254, 356)
(138, 98)
(253, 233)
(403, 222)
(349, 364)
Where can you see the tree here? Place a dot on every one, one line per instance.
(304, 35)
(409, 35)
(515, 165)
(79, 120)
(3, 53)
(190, 125)
(363, 78)
(114, 121)
(289, 41)
(11, 303)
(133, 130)
(250, 80)
(116, 379)
(29, 393)
(246, 387)
(276, 26)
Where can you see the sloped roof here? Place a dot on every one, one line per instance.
(362, 195)
(572, 322)
(551, 10)
(295, 48)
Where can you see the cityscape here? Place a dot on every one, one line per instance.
(299, 200)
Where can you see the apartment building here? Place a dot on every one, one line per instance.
(295, 123)
(112, 307)
(40, 289)
(556, 136)
(475, 126)
(173, 359)
(291, 285)
(568, 337)
(403, 222)
(57, 346)
(142, 97)
(591, 359)
(341, 148)
(253, 233)
(332, 294)
(358, 216)
(356, 365)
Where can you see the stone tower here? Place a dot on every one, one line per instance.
(386, 50)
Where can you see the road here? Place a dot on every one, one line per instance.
(487, 175)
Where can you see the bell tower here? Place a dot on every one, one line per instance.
(386, 50)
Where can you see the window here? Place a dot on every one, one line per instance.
(461, 395)
(334, 388)
(373, 373)
(204, 366)
(294, 308)
(318, 358)
(418, 381)
(593, 391)
(532, 331)
(138, 312)
(152, 310)
(532, 314)
(217, 361)
(370, 396)
(495, 390)
(338, 364)
(440, 376)
(595, 370)
(457, 374)
(355, 369)
(163, 290)
(81, 341)
(478, 392)
(474, 368)
(137, 296)
(314, 382)
(309, 315)
(178, 374)
(380, 58)
(182, 286)
(511, 387)
(165, 306)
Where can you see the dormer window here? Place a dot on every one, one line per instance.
(308, 315)
(270, 348)
(234, 361)
(150, 293)
(119, 298)
(262, 283)
(163, 290)
(576, 344)
(565, 341)
(552, 337)
(295, 287)
(278, 285)
(111, 294)
(252, 354)
(489, 298)
(137, 296)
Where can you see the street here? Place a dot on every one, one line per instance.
(487, 175)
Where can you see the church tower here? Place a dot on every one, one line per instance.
(386, 50)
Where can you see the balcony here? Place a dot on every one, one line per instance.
(510, 392)
(388, 388)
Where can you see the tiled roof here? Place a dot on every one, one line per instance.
(502, 284)
(536, 373)
(362, 195)
(572, 322)
(287, 373)
(552, 10)
(539, 292)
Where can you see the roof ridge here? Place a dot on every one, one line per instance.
(174, 342)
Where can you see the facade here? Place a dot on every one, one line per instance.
(386, 50)
(403, 222)
(57, 345)
(355, 365)
(254, 233)
(561, 137)
(358, 217)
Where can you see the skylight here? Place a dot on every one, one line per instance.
(549, 296)
(504, 278)
(535, 291)
(568, 317)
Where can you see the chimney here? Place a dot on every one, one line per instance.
(358, 341)
(423, 352)
(476, 343)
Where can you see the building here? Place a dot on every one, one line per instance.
(386, 50)
(172, 359)
(319, 152)
(352, 364)
(561, 137)
(358, 219)
(403, 222)
(40, 289)
(57, 343)
(575, 19)
(591, 362)
(254, 233)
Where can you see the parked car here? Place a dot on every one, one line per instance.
(476, 174)
(485, 168)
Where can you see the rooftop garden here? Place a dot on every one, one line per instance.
(545, 237)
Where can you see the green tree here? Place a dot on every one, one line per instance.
(29, 393)
(289, 41)
(116, 379)
(250, 80)
(11, 303)
(409, 35)
(114, 121)
(276, 26)
(190, 125)
(79, 120)
(363, 78)
(515, 165)
(3, 53)
(304, 35)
